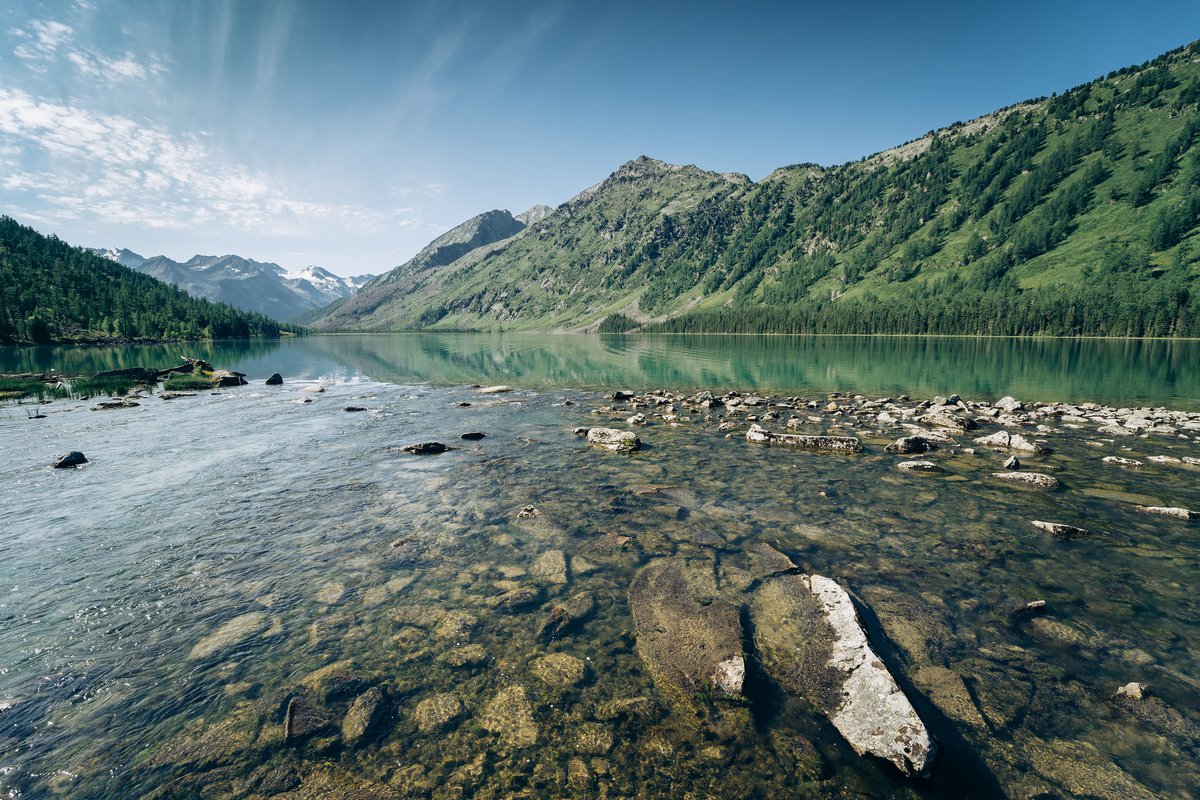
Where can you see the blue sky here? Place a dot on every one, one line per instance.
(350, 133)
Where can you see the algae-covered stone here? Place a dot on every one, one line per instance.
(335, 682)
(812, 643)
(559, 669)
(516, 599)
(550, 567)
(363, 714)
(510, 716)
(631, 708)
(769, 562)
(470, 655)
(304, 718)
(232, 633)
(455, 625)
(565, 616)
(612, 439)
(592, 738)
(689, 639)
(437, 712)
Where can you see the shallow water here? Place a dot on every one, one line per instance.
(161, 605)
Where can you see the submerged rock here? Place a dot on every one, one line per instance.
(303, 719)
(473, 436)
(437, 712)
(363, 714)
(510, 716)
(550, 567)
(1059, 530)
(769, 562)
(1034, 479)
(566, 616)
(232, 633)
(812, 643)
(688, 638)
(615, 440)
(846, 444)
(68, 460)
(559, 669)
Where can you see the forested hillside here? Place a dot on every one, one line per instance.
(1075, 214)
(53, 292)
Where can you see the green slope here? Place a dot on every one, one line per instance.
(1075, 214)
(52, 292)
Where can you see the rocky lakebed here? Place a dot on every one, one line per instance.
(348, 589)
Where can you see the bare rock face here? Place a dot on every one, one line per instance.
(612, 439)
(688, 637)
(812, 643)
(845, 444)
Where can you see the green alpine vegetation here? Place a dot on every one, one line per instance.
(52, 292)
(1075, 214)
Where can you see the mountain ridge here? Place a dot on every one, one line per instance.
(261, 287)
(1073, 214)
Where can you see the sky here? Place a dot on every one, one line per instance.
(350, 133)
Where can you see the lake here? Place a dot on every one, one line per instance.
(238, 578)
(1112, 371)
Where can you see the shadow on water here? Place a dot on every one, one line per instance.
(958, 773)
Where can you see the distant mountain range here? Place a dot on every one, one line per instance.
(52, 292)
(265, 288)
(1077, 214)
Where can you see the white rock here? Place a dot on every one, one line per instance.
(875, 716)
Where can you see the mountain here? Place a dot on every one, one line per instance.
(53, 292)
(1075, 214)
(265, 288)
(472, 236)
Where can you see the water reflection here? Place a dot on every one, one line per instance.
(1117, 372)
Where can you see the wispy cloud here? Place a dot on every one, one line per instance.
(43, 43)
(116, 169)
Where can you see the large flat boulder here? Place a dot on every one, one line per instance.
(689, 639)
(812, 643)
